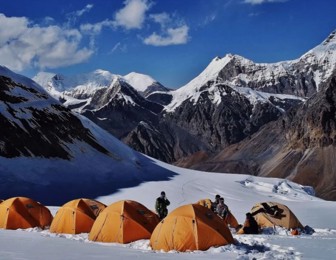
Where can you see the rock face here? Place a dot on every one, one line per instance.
(300, 146)
(222, 116)
(28, 114)
(165, 141)
(119, 108)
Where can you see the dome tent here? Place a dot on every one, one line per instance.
(22, 212)
(76, 216)
(124, 222)
(190, 227)
(270, 214)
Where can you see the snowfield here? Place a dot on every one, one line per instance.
(241, 192)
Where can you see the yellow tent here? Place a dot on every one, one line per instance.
(205, 203)
(190, 227)
(124, 222)
(76, 216)
(270, 214)
(21, 212)
(230, 220)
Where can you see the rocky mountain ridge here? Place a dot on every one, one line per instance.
(300, 146)
(228, 102)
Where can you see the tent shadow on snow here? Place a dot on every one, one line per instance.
(62, 188)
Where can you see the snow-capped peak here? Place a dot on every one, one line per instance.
(284, 77)
(139, 81)
(326, 49)
(331, 39)
(190, 89)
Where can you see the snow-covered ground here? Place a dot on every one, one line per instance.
(241, 192)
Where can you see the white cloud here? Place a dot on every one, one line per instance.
(257, 2)
(24, 45)
(174, 31)
(173, 36)
(133, 14)
(86, 9)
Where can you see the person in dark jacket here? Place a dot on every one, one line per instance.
(250, 225)
(215, 203)
(161, 205)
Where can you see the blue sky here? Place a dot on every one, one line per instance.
(171, 40)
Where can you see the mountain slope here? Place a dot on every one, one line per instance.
(52, 155)
(119, 108)
(299, 146)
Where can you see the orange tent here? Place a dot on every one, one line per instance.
(76, 216)
(270, 214)
(124, 222)
(21, 212)
(190, 227)
(230, 220)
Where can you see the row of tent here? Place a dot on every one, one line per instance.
(189, 227)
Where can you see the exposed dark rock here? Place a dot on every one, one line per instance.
(30, 130)
(119, 109)
(160, 98)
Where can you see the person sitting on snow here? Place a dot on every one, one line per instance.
(222, 210)
(250, 225)
(161, 205)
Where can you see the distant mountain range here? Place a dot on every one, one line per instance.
(230, 103)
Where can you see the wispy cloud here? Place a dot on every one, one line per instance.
(96, 28)
(75, 15)
(174, 31)
(209, 19)
(133, 14)
(162, 18)
(86, 9)
(24, 44)
(258, 2)
(253, 14)
(118, 47)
